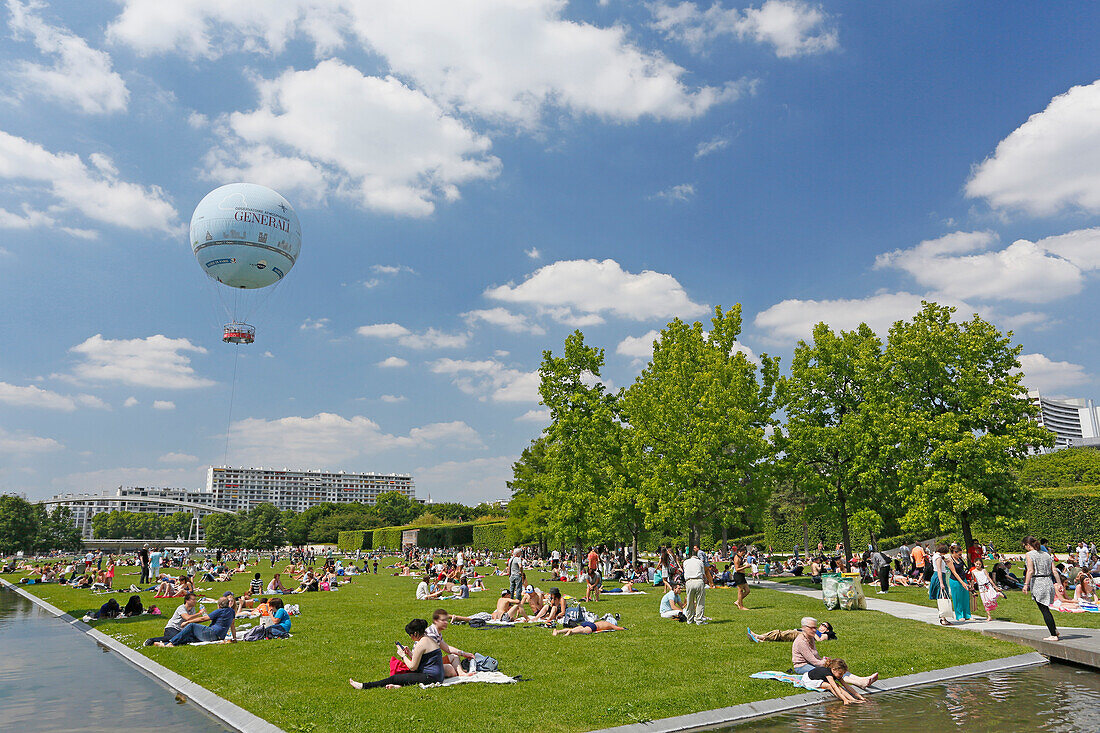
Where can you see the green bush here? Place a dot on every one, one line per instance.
(1068, 467)
(1063, 515)
(356, 539)
(446, 535)
(492, 536)
(388, 538)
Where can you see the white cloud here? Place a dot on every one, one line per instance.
(539, 416)
(470, 482)
(267, 355)
(501, 353)
(20, 443)
(708, 147)
(791, 27)
(489, 379)
(314, 324)
(391, 269)
(513, 322)
(110, 478)
(96, 192)
(1043, 374)
(393, 362)
(498, 59)
(533, 253)
(178, 458)
(80, 76)
(569, 317)
(638, 347)
(393, 399)
(679, 193)
(131, 402)
(31, 396)
(327, 439)
(155, 361)
(429, 339)
(1081, 247)
(374, 141)
(164, 405)
(1049, 163)
(593, 287)
(959, 266)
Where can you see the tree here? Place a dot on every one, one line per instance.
(224, 531)
(18, 525)
(833, 451)
(56, 531)
(263, 528)
(396, 508)
(698, 417)
(177, 524)
(962, 418)
(299, 527)
(529, 509)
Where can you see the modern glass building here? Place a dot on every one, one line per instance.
(1073, 421)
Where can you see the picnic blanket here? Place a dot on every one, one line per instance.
(626, 593)
(798, 680)
(1083, 607)
(494, 678)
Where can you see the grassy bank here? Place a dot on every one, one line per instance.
(658, 668)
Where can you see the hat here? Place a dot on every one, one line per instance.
(529, 589)
(504, 592)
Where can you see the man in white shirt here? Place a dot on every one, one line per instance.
(1082, 554)
(696, 585)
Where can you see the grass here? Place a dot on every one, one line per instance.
(655, 669)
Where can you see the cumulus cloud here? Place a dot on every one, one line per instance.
(326, 439)
(430, 339)
(638, 347)
(31, 396)
(709, 147)
(131, 402)
(178, 458)
(596, 287)
(538, 416)
(469, 482)
(1049, 163)
(1081, 247)
(489, 379)
(960, 265)
(509, 321)
(393, 362)
(498, 59)
(682, 192)
(1041, 373)
(164, 405)
(314, 324)
(155, 361)
(385, 271)
(80, 77)
(533, 253)
(393, 398)
(373, 140)
(791, 27)
(94, 191)
(22, 443)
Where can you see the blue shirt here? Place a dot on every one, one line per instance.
(666, 601)
(283, 618)
(221, 619)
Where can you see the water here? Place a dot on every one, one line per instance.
(55, 678)
(1054, 698)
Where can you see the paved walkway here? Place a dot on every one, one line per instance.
(1078, 645)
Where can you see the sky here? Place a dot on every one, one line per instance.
(475, 179)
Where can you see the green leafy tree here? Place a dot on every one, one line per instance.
(833, 448)
(529, 509)
(263, 528)
(961, 417)
(56, 531)
(396, 508)
(224, 531)
(18, 525)
(177, 524)
(300, 525)
(698, 416)
(327, 529)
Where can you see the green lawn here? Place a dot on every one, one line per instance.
(655, 669)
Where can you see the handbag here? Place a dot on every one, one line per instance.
(398, 666)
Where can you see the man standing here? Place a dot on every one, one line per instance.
(593, 561)
(515, 574)
(919, 559)
(154, 564)
(1083, 555)
(880, 565)
(143, 558)
(696, 585)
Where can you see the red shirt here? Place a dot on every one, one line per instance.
(593, 560)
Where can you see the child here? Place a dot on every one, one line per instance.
(256, 587)
(832, 678)
(986, 589)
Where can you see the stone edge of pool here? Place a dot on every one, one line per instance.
(746, 711)
(213, 705)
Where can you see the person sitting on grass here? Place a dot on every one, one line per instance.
(553, 607)
(281, 628)
(589, 627)
(425, 661)
(452, 666)
(221, 621)
(424, 591)
(672, 605)
(308, 583)
(276, 585)
(463, 588)
(255, 586)
(804, 655)
(189, 610)
(824, 632)
(508, 608)
(595, 584)
(532, 596)
(1085, 590)
(832, 679)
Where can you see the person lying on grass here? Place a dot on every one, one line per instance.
(221, 621)
(452, 659)
(508, 608)
(832, 679)
(804, 655)
(425, 661)
(823, 632)
(589, 627)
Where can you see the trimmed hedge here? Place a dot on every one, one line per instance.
(492, 536)
(446, 535)
(1067, 467)
(356, 539)
(388, 538)
(1062, 515)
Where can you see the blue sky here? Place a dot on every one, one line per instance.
(476, 179)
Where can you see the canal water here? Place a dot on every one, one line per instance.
(1054, 698)
(55, 678)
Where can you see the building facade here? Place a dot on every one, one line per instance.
(240, 489)
(1074, 421)
(148, 500)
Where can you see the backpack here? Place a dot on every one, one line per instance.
(484, 663)
(257, 633)
(573, 616)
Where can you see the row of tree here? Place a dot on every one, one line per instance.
(924, 432)
(29, 528)
(117, 525)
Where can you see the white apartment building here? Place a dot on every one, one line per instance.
(240, 489)
(129, 499)
(1074, 421)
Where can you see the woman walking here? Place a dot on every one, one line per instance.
(960, 587)
(938, 589)
(739, 580)
(1040, 578)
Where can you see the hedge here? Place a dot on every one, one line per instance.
(492, 536)
(388, 538)
(356, 539)
(1064, 516)
(1067, 467)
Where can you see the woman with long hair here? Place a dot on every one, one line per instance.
(960, 587)
(739, 580)
(1041, 577)
(938, 589)
(424, 660)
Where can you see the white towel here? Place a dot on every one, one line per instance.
(496, 678)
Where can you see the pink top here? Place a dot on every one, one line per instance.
(804, 651)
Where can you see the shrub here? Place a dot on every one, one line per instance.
(1067, 467)
(492, 536)
(352, 540)
(446, 535)
(388, 538)
(1063, 515)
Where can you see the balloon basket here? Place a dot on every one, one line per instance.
(239, 333)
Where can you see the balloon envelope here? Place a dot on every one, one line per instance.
(245, 235)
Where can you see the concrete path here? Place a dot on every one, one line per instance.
(1078, 645)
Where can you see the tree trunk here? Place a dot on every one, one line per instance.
(725, 540)
(845, 536)
(968, 535)
(805, 537)
(634, 532)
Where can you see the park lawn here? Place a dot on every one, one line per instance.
(655, 669)
(1018, 607)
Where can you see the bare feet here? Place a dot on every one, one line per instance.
(356, 685)
(1053, 638)
(740, 606)
(393, 687)
(872, 679)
